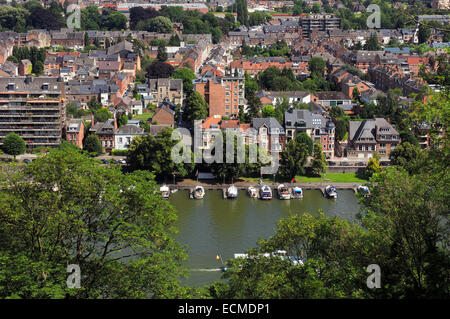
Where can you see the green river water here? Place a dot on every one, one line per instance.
(214, 226)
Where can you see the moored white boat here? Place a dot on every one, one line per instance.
(283, 192)
(265, 192)
(198, 192)
(252, 192)
(232, 192)
(363, 190)
(165, 191)
(330, 191)
(297, 192)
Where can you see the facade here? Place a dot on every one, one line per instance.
(105, 132)
(75, 132)
(163, 89)
(223, 94)
(268, 129)
(33, 108)
(125, 134)
(369, 136)
(318, 127)
(319, 22)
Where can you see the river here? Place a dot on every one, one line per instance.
(214, 226)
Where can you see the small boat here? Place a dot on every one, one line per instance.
(199, 192)
(363, 190)
(283, 192)
(232, 192)
(297, 192)
(265, 192)
(330, 191)
(252, 192)
(165, 191)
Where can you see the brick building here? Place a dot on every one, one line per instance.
(223, 94)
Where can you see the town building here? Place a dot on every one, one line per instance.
(370, 136)
(75, 132)
(125, 134)
(33, 108)
(318, 127)
(224, 95)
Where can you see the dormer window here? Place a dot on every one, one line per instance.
(10, 86)
(45, 87)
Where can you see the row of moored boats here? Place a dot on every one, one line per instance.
(264, 192)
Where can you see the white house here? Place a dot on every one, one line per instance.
(125, 134)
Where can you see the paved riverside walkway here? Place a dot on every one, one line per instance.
(212, 184)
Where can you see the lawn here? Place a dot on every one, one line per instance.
(331, 177)
(143, 116)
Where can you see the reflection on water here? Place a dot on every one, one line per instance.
(213, 226)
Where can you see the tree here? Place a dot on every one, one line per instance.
(94, 104)
(159, 25)
(293, 159)
(319, 162)
(341, 129)
(268, 111)
(174, 41)
(92, 144)
(187, 75)
(162, 54)
(423, 34)
(242, 12)
(13, 144)
(408, 156)
(154, 154)
(304, 138)
(196, 108)
(317, 66)
(86, 39)
(372, 44)
(373, 166)
(254, 106)
(160, 70)
(123, 120)
(85, 213)
(258, 17)
(102, 115)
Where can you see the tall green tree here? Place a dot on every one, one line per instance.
(77, 212)
(92, 144)
(195, 109)
(13, 144)
(162, 54)
(319, 162)
(155, 154)
(293, 159)
(187, 75)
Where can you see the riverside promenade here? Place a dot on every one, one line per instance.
(189, 184)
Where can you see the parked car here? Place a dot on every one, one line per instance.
(384, 163)
(27, 161)
(122, 161)
(105, 161)
(331, 163)
(345, 164)
(360, 164)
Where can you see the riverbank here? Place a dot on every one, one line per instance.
(214, 185)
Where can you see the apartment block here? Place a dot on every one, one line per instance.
(33, 108)
(224, 94)
(319, 22)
